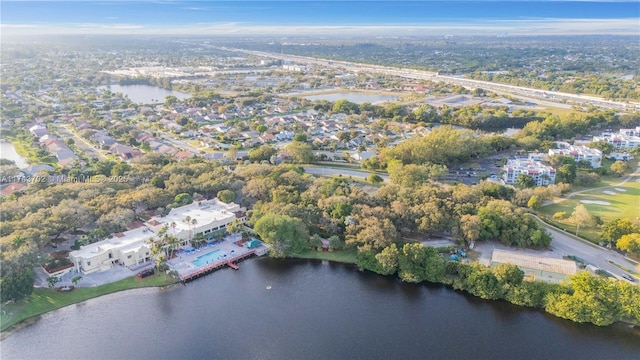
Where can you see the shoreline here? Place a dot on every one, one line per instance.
(25, 316)
(342, 256)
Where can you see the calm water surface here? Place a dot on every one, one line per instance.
(145, 94)
(7, 151)
(314, 310)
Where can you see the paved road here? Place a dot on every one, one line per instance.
(327, 171)
(82, 144)
(563, 244)
(549, 97)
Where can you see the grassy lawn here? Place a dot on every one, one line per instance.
(622, 204)
(343, 256)
(43, 300)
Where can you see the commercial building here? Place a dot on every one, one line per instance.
(541, 174)
(578, 153)
(536, 267)
(131, 248)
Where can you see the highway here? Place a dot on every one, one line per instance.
(558, 98)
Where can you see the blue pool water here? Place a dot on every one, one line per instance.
(210, 257)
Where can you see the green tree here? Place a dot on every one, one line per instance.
(483, 283)
(52, 280)
(412, 263)
(508, 275)
(261, 128)
(470, 227)
(619, 168)
(16, 283)
(388, 259)
(300, 137)
(374, 179)
(630, 243)
(335, 242)
(226, 196)
(594, 300)
(525, 180)
(301, 153)
(534, 202)
(285, 234)
(581, 217)
(170, 100)
(615, 229)
(182, 199)
(315, 242)
(263, 153)
(603, 146)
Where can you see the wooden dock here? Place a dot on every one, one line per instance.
(215, 266)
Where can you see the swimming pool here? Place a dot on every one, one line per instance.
(206, 259)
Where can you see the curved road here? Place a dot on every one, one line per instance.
(563, 244)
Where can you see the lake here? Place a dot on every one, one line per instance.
(144, 94)
(7, 151)
(354, 97)
(312, 310)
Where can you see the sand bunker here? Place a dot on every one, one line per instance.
(620, 189)
(597, 202)
(609, 192)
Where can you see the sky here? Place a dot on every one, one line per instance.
(538, 17)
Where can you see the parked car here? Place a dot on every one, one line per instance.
(629, 277)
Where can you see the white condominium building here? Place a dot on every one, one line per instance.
(541, 174)
(131, 247)
(578, 153)
(201, 217)
(126, 248)
(624, 139)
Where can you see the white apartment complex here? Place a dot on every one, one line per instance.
(131, 247)
(624, 139)
(578, 153)
(126, 249)
(201, 217)
(541, 174)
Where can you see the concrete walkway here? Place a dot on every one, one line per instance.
(89, 280)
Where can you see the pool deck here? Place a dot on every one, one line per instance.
(187, 270)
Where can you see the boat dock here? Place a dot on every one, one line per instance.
(188, 276)
(190, 263)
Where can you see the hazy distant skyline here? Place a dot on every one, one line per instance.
(475, 17)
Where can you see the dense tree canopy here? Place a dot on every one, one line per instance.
(286, 235)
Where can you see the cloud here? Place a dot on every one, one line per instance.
(514, 27)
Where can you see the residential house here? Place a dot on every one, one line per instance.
(125, 152)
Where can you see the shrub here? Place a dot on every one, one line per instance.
(560, 215)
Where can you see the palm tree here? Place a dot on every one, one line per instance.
(194, 222)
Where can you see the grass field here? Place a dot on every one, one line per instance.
(622, 204)
(43, 300)
(343, 256)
